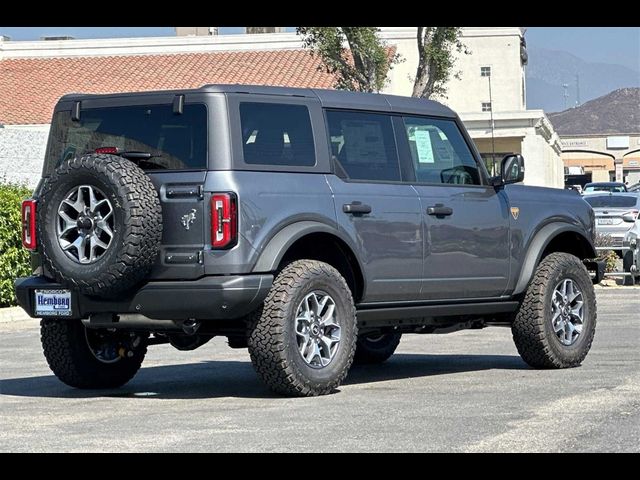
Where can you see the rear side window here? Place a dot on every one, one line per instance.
(363, 145)
(276, 134)
(439, 152)
(612, 201)
(175, 142)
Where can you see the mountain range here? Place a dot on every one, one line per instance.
(548, 70)
(615, 113)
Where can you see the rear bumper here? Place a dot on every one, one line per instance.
(209, 298)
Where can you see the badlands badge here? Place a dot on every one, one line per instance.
(515, 212)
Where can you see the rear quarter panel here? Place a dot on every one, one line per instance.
(267, 202)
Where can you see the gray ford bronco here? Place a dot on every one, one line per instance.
(314, 227)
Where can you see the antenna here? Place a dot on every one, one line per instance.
(493, 140)
(577, 90)
(565, 94)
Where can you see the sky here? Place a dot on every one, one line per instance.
(617, 45)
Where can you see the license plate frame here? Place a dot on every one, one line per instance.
(53, 302)
(605, 221)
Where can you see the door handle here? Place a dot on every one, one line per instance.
(439, 211)
(356, 207)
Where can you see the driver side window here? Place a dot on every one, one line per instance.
(439, 152)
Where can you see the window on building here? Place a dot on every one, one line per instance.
(486, 106)
(277, 134)
(485, 71)
(440, 153)
(363, 145)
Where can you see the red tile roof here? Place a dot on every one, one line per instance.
(30, 87)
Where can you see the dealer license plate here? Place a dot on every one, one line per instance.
(605, 221)
(53, 303)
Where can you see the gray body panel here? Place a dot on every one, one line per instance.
(557, 210)
(466, 253)
(388, 240)
(479, 252)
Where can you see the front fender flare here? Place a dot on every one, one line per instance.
(537, 246)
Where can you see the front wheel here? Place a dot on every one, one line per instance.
(555, 324)
(302, 341)
(376, 348)
(91, 358)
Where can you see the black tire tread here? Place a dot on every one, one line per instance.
(143, 224)
(267, 343)
(367, 355)
(69, 358)
(528, 328)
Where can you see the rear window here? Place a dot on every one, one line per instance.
(611, 201)
(175, 141)
(276, 134)
(604, 188)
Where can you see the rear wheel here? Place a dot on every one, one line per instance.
(302, 341)
(91, 358)
(555, 324)
(376, 348)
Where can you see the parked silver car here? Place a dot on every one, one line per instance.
(631, 256)
(615, 214)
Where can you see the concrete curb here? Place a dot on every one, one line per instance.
(13, 314)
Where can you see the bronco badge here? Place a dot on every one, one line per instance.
(515, 212)
(190, 217)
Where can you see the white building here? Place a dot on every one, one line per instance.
(34, 74)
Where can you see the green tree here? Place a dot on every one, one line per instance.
(14, 260)
(363, 66)
(436, 57)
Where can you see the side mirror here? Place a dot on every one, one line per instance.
(511, 170)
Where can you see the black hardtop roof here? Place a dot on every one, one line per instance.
(328, 98)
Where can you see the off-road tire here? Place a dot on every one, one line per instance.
(532, 330)
(138, 225)
(627, 262)
(378, 351)
(68, 354)
(272, 339)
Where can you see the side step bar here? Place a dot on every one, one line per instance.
(421, 314)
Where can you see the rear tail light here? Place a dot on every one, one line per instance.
(29, 224)
(224, 220)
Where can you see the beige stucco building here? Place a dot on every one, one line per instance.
(497, 56)
(605, 157)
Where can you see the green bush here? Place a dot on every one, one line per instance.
(14, 260)
(609, 256)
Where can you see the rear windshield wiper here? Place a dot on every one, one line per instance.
(142, 159)
(138, 155)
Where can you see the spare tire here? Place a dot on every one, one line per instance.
(99, 224)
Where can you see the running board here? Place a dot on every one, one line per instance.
(420, 314)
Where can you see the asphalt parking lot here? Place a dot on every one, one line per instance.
(466, 391)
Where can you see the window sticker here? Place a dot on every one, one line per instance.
(423, 146)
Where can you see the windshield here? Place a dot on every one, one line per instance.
(612, 201)
(605, 188)
(174, 142)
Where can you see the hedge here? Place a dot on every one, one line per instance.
(14, 260)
